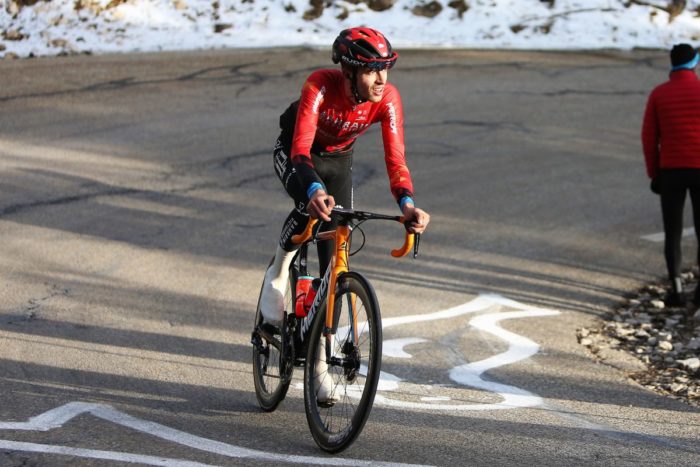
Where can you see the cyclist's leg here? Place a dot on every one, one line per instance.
(277, 275)
(322, 378)
(336, 172)
(272, 368)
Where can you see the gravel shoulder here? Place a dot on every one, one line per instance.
(658, 346)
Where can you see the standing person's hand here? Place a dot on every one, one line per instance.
(320, 205)
(419, 218)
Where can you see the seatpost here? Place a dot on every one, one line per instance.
(303, 252)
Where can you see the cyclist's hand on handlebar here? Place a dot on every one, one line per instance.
(418, 218)
(320, 205)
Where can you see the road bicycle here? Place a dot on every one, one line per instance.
(338, 340)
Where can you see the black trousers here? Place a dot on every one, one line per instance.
(675, 184)
(335, 170)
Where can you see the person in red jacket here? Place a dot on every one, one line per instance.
(313, 154)
(671, 144)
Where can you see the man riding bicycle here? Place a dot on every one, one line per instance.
(313, 154)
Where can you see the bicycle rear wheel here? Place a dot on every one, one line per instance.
(272, 359)
(351, 373)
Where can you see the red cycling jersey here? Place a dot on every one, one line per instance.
(329, 121)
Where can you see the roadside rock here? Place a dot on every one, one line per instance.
(429, 10)
(690, 364)
(661, 343)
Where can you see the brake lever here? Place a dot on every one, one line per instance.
(416, 239)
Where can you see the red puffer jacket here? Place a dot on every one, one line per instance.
(671, 128)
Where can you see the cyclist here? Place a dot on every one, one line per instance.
(313, 154)
(671, 144)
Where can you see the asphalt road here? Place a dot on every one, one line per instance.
(139, 207)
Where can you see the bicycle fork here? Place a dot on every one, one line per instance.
(340, 265)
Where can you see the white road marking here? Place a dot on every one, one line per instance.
(480, 303)
(96, 454)
(659, 237)
(395, 347)
(57, 417)
(469, 375)
(519, 348)
(387, 381)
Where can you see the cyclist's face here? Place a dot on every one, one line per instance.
(370, 84)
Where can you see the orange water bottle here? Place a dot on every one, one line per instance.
(303, 288)
(311, 295)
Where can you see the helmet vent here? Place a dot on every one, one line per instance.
(367, 49)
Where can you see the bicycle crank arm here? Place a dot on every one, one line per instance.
(266, 334)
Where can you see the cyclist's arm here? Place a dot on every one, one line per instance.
(394, 156)
(394, 149)
(312, 95)
(320, 203)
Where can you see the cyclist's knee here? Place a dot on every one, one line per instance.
(294, 225)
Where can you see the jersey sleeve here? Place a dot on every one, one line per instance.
(394, 148)
(650, 138)
(312, 95)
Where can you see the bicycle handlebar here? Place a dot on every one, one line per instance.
(408, 243)
(411, 240)
(306, 235)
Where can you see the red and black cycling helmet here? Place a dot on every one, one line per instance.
(364, 47)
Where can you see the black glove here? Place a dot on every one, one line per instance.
(655, 185)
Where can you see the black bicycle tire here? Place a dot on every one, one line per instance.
(268, 400)
(333, 442)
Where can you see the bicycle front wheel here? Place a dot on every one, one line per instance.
(341, 371)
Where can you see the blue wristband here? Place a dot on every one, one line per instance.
(405, 200)
(313, 188)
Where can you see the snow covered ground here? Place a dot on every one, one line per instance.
(107, 26)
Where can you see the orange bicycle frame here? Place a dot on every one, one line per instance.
(339, 262)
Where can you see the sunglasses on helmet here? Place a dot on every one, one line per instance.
(379, 64)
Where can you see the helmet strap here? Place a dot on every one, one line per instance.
(353, 87)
